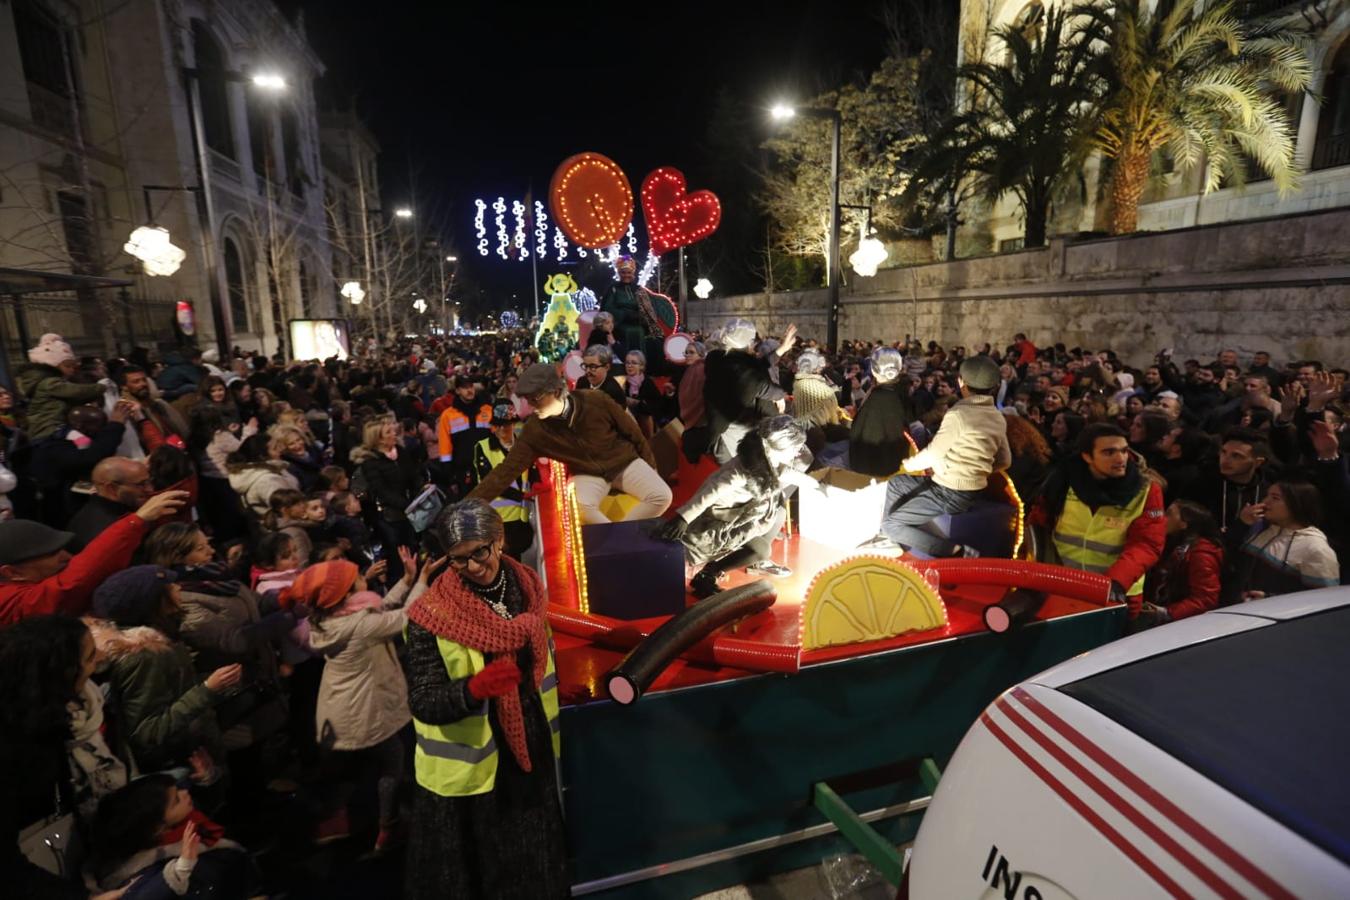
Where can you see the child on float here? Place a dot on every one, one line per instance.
(732, 520)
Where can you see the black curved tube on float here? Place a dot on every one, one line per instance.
(1018, 608)
(647, 660)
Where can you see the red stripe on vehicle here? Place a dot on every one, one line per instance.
(1088, 813)
(1179, 817)
(1138, 819)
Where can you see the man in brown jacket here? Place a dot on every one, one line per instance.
(599, 442)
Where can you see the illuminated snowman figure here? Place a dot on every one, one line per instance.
(558, 331)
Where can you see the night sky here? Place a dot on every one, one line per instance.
(482, 99)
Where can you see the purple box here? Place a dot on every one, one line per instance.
(629, 575)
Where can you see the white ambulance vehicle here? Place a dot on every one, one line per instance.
(1206, 758)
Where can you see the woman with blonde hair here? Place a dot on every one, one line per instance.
(296, 445)
(389, 478)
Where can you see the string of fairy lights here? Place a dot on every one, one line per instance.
(521, 231)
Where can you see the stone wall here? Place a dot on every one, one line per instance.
(1281, 285)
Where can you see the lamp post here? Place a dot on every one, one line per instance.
(782, 112)
(446, 289)
(206, 206)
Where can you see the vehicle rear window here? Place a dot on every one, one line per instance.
(1265, 714)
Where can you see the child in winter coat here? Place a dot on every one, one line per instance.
(150, 832)
(287, 514)
(1187, 581)
(345, 524)
(363, 697)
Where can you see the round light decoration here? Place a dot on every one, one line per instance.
(591, 200)
(352, 291)
(676, 218)
(870, 254)
(703, 289)
(510, 319)
(150, 244)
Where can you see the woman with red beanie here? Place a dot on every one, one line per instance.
(487, 821)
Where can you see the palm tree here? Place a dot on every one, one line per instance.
(1196, 79)
(1022, 124)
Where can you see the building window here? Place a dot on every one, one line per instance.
(43, 44)
(305, 291)
(236, 287)
(290, 150)
(211, 89)
(1332, 147)
(259, 133)
(1011, 245)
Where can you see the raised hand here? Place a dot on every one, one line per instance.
(409, 559)
(161, 506)
(377, 570)
(191, 843)
(1324, 440)
(1291, 395)
(1321, 390)
(432, 568)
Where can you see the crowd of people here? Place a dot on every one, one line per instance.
(228, 584)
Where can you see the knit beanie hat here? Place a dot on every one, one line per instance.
(814, 401)
(132, 596)
(980, 374)
(322, 586)
(51, 350)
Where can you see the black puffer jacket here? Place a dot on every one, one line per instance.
(737, 388)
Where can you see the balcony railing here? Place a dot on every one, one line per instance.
(223, 165)
(1331, 151)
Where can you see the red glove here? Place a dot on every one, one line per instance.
(498, 677)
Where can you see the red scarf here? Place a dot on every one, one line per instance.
(210, 832)
(452, 611)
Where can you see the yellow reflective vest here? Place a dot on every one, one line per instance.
(1094, 541)
(459, 759)
(511, 505)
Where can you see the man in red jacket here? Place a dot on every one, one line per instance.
(1104, 514)
(38, 575)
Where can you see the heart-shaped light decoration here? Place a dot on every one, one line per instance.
(591, 200)
(676, 218)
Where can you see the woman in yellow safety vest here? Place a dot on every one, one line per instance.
(487, 820)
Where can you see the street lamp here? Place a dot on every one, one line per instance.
(353, 292)
(150, 244)
(269, 81)
(452, 259)
(403, 212)
(782, 112)
(703, 289)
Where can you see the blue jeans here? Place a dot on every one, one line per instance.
(912, 501)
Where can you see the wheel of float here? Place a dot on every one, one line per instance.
(868, 598)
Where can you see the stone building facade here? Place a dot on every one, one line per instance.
(77, 190)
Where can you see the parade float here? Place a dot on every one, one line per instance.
(718, 741)
(713, 742)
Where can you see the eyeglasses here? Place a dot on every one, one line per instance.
(591, 367)
(478, 556)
